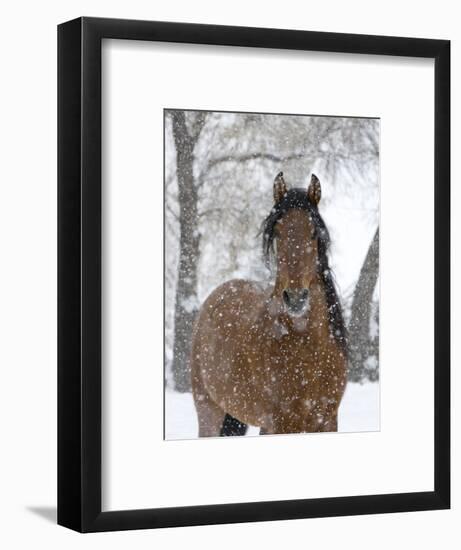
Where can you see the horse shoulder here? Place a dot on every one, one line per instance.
(234, 299)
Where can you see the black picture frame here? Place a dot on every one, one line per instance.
(79, 274)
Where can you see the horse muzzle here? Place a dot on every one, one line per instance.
(296, 301)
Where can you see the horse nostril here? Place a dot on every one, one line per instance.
(286, 297)
(295, 299)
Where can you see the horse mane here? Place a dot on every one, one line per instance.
(297, 198)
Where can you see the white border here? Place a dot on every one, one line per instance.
(139, 468)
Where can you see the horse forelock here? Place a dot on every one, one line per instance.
(294, 198)
(298, 198)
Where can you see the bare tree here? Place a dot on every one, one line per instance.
(185, 138)
(362, 345)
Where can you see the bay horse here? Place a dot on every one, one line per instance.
(275, 358)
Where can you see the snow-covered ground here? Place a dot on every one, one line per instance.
(359, 412)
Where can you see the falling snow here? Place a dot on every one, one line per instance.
(214, 238)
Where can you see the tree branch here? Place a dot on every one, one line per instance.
(171, 211)
(252, 156)
(233, 211)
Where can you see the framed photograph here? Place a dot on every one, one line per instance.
(254, 274)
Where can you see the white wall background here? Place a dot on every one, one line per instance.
(28, 272)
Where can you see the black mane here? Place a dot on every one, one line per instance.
(297, 198)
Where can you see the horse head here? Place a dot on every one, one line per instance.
(296, 235)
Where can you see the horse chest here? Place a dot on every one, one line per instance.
(292, 378)
(292, 367)
(300, 360)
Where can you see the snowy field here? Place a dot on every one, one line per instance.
(359, 412)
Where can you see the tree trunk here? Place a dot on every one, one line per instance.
(189, 240)
(361, 346)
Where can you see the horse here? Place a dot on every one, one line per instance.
(274, 357)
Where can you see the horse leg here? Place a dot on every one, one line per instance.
(232, 426)
(210, 416)
(330, 414)
(331, 425)
(212, 420)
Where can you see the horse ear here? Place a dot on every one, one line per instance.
(314, 191)
(280, 187)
